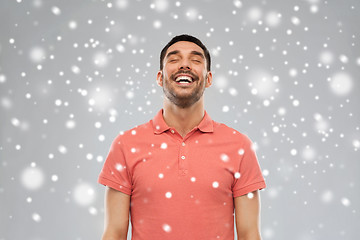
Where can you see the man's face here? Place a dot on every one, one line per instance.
(184, 76)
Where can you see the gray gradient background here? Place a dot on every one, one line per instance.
(68, 86)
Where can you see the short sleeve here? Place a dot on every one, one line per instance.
(250, 178)
(115, 173)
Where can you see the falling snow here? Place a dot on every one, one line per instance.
(73, 76)
(32, 178)
(166, 227)
(84, 194)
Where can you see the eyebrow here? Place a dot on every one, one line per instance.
(192, 52)
(198, 54)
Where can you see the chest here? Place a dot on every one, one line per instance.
(196, 169)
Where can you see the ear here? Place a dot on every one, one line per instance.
(208, 80)
(159, 78)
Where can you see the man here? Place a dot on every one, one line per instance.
(181, 175)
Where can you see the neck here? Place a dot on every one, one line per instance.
(183, 119)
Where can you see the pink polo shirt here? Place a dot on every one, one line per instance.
(182, 188)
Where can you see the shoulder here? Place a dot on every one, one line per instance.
(137, 132)
(226, 132)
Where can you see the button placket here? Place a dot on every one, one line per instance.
(183, 158)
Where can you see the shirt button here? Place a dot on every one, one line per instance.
(183, 144)
(182, 157)
(172, 131)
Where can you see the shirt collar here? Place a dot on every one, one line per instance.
(160, 126)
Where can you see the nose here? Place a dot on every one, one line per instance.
(185, 65)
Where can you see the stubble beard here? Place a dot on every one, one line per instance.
(183, 101)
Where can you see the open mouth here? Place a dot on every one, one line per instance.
(182, 79)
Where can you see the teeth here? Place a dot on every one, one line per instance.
(183, 78)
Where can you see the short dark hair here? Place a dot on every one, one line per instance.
(186, 38)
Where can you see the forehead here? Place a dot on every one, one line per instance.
(184, 47)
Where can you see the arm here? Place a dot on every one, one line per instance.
(117, 206)
(247, 216)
